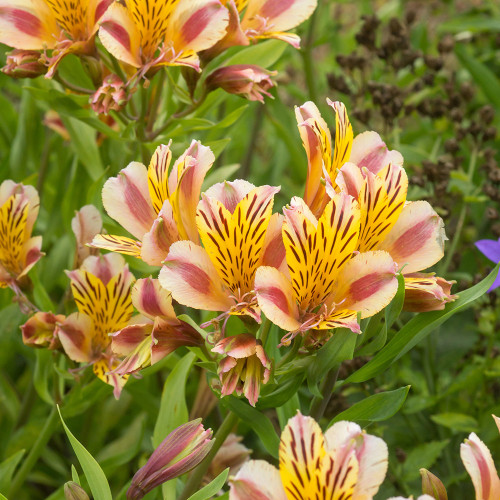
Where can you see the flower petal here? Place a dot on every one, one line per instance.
(192, 278)
(273, 252)
(158, 176)
(417, 238)
(350, 179)
(426, 292)
(86, 224)
(152, 300)
(276, 298)
(257, 480)
(121, 244)
(490, 249)
(370, 151)
(366, 283)
(119, 34)
(75, 334)
(230, 193)
(126, 199)
(343, 138)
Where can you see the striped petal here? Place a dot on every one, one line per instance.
(370, 151)
(315, 254)
(343, 138)
(32, 254)
(158, 168)
(152, 300)
(342, 318)
(477, 459)
(273, 252)
(301, 454)
(186, 180)
(104, 267)
(426, 292)
(75, 335)
(230, 193)
(350, 179)
(195, 26)
(27, 193)
(126, 199)
(367, 283)
(235, 241)
(381, 200)
(417, 238)
(257, 480)
(192, 278)
(105, 369)
(276, 298)
(27, 24)
(120, 35)
(121, 244)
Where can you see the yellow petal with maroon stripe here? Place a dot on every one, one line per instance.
(121, 244)
(342, 318)
(235, 241)
(103, 369)
(301, 456)
(343, 138)
(71, 17)
(158, 176)
(315, 254)
(381, 199)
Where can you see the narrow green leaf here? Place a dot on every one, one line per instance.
(257, 421)
(283, 391)
(43, 370)
(264, 54)
(418, 328)
(212, 488)
(2, 497)
(95, 476)
(7, 468)
(393, 310)
(74, 475)
(456, 421)
(375, 408)
(424, 456)
(173, 409)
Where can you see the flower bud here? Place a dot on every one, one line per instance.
(182, 450)
(53, 121)
(111, 95)
(24, 64)
(245, 366)
(246, 80)
(432, 293)
(73, 491)
(40, 330)
(432, 485)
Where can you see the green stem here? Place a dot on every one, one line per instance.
(35, 452)
(71, 86)
(319, 404)
(263, 333)
(307, 56)
(196, 477)
(254, 134)
(297, 344)
(155, 102)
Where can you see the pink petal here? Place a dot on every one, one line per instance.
(426, 292)
(152, 300)
(191, 277)
(417, 239)
(103, 267)
(237, 346)
(126, 199)
(75, 334)
(230, 193)
(273, 252)
(350, 179)
(86, 224)
(257, 480)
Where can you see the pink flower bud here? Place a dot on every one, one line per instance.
(24, 64)
(246, 80)
(245, 366)
(41, 330)
(432, 485)
(73, 491)
(431, 294)
(182, 450)
(111, 95)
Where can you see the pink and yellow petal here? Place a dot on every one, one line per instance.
(257, 480)
(105, 369)
(426, 292)
(152, 300)
(121, 244)
(343, 138)
(230, 193)
(32, 254)
(367, 283)
(192, 278)
(133, 343)
(86, 224)
(75, 335)
(104, 267)
(416, 240)
(350, 179)
(158, 169)
(120, 35)
(276, 298)
(94, 12)
(273, 252)
(126, 199)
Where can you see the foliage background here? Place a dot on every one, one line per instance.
(453, 373)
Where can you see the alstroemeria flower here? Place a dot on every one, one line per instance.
(86, 224)
(19, 251)
(326, 286)
(233, 220)
(101, 289)
(182, 450)
(41, 330)
(411, 232)
(491, 250)
(65, 27)
(324, 161)
(147, 343)
(344, 463)
(156, 207)
(477, 459)
(156, 33)
(263, 19)
(245, 366)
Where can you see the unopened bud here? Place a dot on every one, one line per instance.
(73, 491)
(24, 64)
(432, 485)
(111, 95)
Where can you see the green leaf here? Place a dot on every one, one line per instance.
(95, 476)
(424, 456)
(285, 389)
(481, 74)
(456, 421)
(173, 409)
(7, 468)
(393, 310)
(220, 174)
(418, 328)
(263, 54)
(257, 421)
(212, 488)
(43, 370)
(375, 408)
(339, 348)
(231, 118)
(74, 475)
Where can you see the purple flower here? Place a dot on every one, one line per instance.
(491, 250)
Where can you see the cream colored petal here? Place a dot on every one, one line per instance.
(256, 480)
